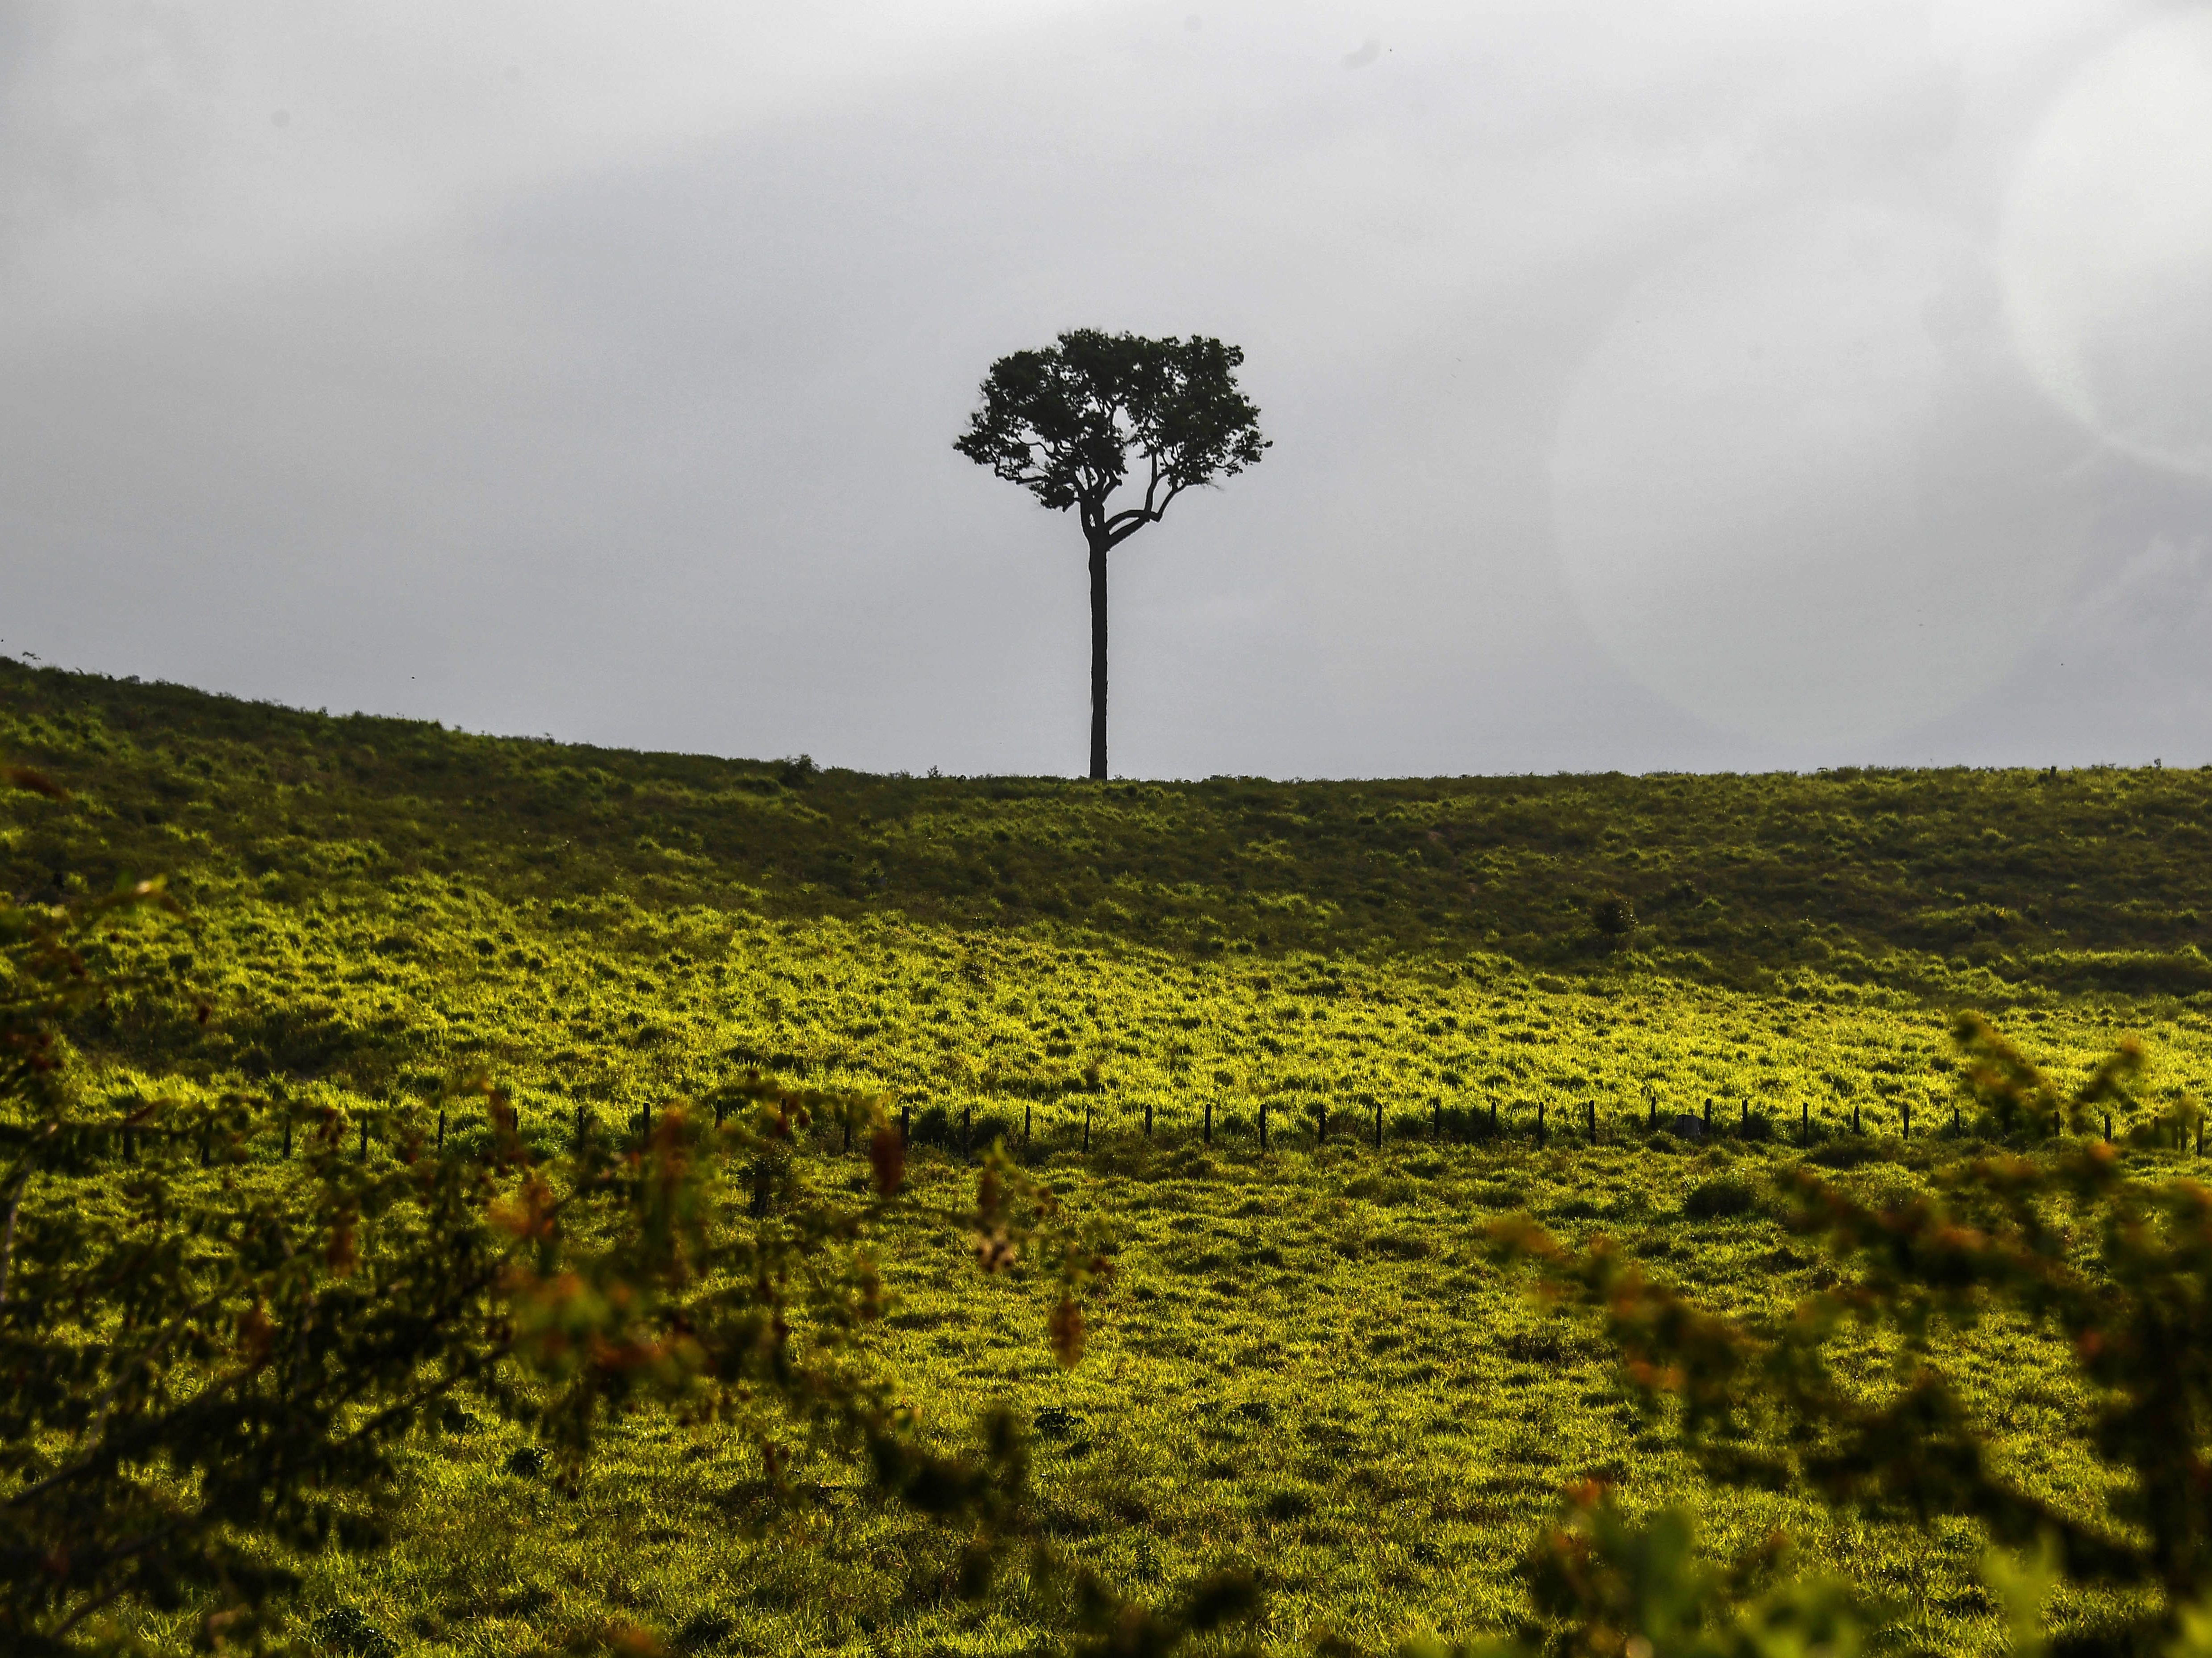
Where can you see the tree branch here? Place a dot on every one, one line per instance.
(1130, 519)
(1135, 517)
(113, 1556)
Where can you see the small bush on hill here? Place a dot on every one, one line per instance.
(1714, 1200)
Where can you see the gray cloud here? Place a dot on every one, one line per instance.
(551, 371)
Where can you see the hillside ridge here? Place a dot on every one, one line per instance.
(2083, 879)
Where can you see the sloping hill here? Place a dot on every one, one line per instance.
(1306, 1359)
(2075, 879)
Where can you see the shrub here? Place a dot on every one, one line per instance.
(1851, 1151)
(1762, 1402)
(1717, 1199)
(703, 1631)
(1287, 1503)
(346, 1630)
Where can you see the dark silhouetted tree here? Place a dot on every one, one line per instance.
(1070, 423)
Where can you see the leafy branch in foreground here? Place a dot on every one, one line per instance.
(1620, 1587)
(1766, 1403)
(209, 1368)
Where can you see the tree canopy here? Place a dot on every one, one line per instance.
(1069, 421)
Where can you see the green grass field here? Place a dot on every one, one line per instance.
(1305, 1362)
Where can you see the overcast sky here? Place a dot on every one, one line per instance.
(1653, 384)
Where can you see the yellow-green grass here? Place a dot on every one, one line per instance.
(1955, 883)
(1306, 1363)
(609, 1005)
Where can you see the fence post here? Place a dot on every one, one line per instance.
(1209, 1120)
(967, 1128)
(906, 1125)
(1539, 1122)
(1855, 1116)
(1027, 1106)
(1321, 1131)
(1591, 1105)
(1652, 1109)
(2108, 1127)
(1906, 1108)
(441, 1131)
(1378, 1125)
(1805, 1121)
(1148, 1119)
(1263, 1124)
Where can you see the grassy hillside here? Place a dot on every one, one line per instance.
(1305, 1362)
(2069, 879)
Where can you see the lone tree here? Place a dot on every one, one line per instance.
(1069, 422)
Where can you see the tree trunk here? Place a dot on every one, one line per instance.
(1098, 660)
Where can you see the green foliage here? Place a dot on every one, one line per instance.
(1062, 422)
(1970, 887)
(1303, 1363)
(1613, 916)
(2120, 1269)
(211, 1361)
(1620, 1587)
(344, 1630)
(1711, 1198)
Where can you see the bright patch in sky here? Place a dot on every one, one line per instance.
(2107, 246)
(1795, 488)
